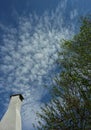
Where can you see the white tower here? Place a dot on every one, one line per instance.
(12, 118)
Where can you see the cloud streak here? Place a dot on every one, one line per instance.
(28, 55)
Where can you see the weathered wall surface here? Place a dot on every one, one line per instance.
(12, 118)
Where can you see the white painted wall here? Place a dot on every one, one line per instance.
(12, 118)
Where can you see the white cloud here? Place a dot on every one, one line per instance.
(73, 14)
(28, 53)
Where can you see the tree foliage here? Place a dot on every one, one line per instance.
(70, 108)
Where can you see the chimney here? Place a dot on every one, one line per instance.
(12, 118)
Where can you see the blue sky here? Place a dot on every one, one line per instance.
(30, 34)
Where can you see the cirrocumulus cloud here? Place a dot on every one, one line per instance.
(28, 55)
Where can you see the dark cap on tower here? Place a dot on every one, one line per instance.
(20, 96)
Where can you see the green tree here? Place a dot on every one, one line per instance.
(70, 108)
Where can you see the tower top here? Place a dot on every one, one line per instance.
(20, 96)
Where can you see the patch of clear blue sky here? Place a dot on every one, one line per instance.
(9, 8)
